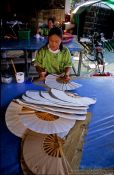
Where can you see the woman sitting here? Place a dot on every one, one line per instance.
(53, 58)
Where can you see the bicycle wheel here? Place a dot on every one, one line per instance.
(89, 62)
(89, 52)
(100, 62)
(89, 59)
(91, 56)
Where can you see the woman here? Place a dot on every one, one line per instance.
(53, 58)
(44, 30)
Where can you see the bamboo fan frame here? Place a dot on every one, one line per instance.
(42, 115)
(52, 145)
(46, 116)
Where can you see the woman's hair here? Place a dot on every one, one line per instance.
(56, 31)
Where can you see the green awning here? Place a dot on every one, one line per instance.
(81, 8)
(78, 10)
(109, 3)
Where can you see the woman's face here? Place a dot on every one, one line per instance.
(50, 24)
(54, 42)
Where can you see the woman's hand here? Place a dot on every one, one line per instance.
(42, 76)
(64, 79)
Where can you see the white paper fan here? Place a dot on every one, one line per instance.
(33, 101)
(81, 101)
(35, 95)
(46, 123)
(81, 115)
(50, 103)
(12, 118)
(59, 111)
(64, 104)
(63, 109)
(43, 154)
(52, 81)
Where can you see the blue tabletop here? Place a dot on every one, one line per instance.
(35, 44)
(98, 150)
(73, 45)
(31, 44)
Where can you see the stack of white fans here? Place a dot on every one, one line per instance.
(46, 112)
(65, 106)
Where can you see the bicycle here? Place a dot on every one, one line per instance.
(93, 53)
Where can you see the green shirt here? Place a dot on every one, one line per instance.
(44, 31)
(53, 62)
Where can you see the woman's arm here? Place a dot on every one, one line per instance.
(41, 72)
(38, 63)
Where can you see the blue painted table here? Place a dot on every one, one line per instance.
(25, 45)
(98, 150)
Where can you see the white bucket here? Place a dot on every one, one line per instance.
(20, 77)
